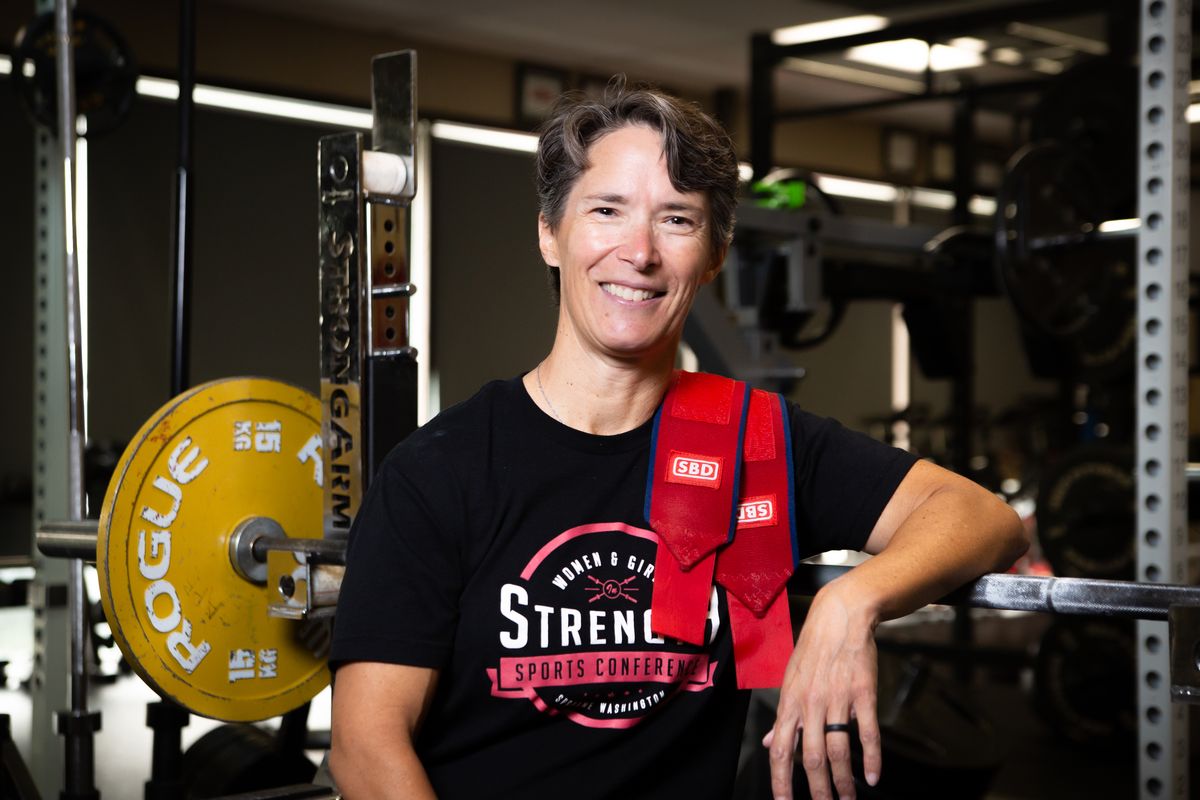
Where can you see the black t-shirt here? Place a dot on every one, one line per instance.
(510, 553)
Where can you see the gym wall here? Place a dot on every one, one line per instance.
(255, 299)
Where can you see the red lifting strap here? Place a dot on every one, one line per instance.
(690, 490)
(696, 465)
(699, 493)
(755, 567)
(759, 561)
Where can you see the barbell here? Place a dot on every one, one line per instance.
(214, 493)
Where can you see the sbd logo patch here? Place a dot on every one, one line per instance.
(756, 512)
(694, 469)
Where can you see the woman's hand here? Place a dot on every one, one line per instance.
(938, 531)
(830, 679)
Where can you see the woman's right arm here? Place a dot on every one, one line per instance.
(377, 709)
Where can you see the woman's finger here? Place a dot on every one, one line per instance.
(868, 734)
(837, 750)
(781, 744)
(813, 756)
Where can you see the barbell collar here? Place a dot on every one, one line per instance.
(68, 539)
(246, 562)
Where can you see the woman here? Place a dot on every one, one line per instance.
(494, 634)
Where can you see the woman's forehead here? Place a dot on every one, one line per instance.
(632, 154)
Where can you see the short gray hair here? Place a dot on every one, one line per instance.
(699, 153)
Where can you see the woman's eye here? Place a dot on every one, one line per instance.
(604, 211)
(679, 221)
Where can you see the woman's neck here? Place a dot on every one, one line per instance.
(596, 394)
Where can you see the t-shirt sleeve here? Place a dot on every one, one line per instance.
(844, 479)
(399, 597)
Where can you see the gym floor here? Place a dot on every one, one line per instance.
(1037, 763)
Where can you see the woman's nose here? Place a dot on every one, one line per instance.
(638, 249)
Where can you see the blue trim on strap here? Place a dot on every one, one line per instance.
(653, 460)
(791, 478)
(737, 463)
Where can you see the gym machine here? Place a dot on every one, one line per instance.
(1144, 285)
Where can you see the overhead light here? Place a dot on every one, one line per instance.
(1038, 33)
(158, 87)
(969, 43)
(485, 137)
(325, 113)
(1193, 113)
(914, 55)
(260, 104)
(1007, 55)
(856, 189)
(865, 77)
(982, 206)
(1115, 225)
(939, 199)
(942, 200)
(1048, 66)
(272, 106)
(828, 29)
(5, 65)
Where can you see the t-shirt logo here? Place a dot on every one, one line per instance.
(694, 469)
(575, 634)
(756, 512)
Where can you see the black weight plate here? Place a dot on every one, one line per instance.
(105, 72)
(1086, 514)
(1087, 109)
(1050, 193)
(240, 758)
(1085, 681)
(1078, 172)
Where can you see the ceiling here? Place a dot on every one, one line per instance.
(693, 45)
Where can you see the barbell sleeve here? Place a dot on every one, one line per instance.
(68, 539)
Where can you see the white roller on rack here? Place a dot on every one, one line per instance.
(384, 173)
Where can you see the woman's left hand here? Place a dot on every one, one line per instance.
(830, 680)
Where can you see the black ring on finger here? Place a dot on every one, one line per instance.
(837, 727)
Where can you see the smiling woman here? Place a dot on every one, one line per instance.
(549, 629)
(631, 251)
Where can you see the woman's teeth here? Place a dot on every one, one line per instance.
(626, 293)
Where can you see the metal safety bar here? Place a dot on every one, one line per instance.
(1051, 595)
(1047, 594)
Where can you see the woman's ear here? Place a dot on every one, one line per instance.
(547, 242)
(715, 268)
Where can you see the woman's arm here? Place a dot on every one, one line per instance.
(377, 709)
(938, 531)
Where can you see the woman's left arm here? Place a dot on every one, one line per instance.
(938, 531)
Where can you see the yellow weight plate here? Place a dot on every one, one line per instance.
(193, 628)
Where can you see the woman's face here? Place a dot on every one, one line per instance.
(631, 249)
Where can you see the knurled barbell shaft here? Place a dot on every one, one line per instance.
(1089, 597)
